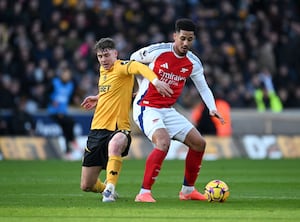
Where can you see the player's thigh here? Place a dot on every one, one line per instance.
(119, 143)
(89, 175)
(195, 140)
(177, 125)
(149, 119)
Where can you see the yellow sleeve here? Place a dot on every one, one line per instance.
(139, 68)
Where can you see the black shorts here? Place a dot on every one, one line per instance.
(96, 151)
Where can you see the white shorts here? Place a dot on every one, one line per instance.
(150, 119)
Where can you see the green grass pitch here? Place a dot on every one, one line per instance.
(260, 190)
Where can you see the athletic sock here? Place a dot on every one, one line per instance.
(142, 191)
(187, 189)
(152, 167)
(193, 162)
(98, 187)
(113, 169)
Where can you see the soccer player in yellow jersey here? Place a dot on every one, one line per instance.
(109, 138)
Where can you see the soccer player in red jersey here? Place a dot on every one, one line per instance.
(154, 114)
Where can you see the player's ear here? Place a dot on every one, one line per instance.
(174, 36)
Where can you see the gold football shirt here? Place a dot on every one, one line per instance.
(115, 94)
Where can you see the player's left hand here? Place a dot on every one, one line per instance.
(216, 114)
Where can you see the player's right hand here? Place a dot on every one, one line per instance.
(89, 102)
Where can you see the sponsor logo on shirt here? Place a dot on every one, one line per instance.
(165, 65)
(170, 78)
(183, 70)
(104, 88)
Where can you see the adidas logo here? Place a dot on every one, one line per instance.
(165, 65)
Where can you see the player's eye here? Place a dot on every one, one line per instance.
(106, 55)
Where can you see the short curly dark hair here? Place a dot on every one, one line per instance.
(185, 24)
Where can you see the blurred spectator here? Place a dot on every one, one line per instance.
(9, 92)
(62, 89)
(235, 40)
(22, 123)
(6, 101)
(208, 125)
(285, 85)
(4, 129)
(264, 93)
(267, 100)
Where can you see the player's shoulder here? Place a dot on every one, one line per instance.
(121, 65)
(124, 62)
(194, 58)
(162, 46)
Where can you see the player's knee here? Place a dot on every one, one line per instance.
(161, 140)
(201, 144)
(118, 144)
(85, 187)
(163, 143)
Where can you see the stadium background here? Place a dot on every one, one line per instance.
(240, 43)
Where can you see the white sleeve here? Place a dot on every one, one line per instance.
(148, 54)
(203, 89)
(142, 55)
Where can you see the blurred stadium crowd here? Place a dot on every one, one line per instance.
(244, 45)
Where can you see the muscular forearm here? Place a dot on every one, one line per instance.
(145, 71)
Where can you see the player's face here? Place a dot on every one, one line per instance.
(107, 57)
(183, 41)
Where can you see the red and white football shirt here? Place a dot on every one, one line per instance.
(173, 70)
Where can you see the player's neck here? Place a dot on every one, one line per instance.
(177, 52)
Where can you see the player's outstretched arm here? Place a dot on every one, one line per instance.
(90, 102)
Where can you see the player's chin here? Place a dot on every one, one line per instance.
(184, 51)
